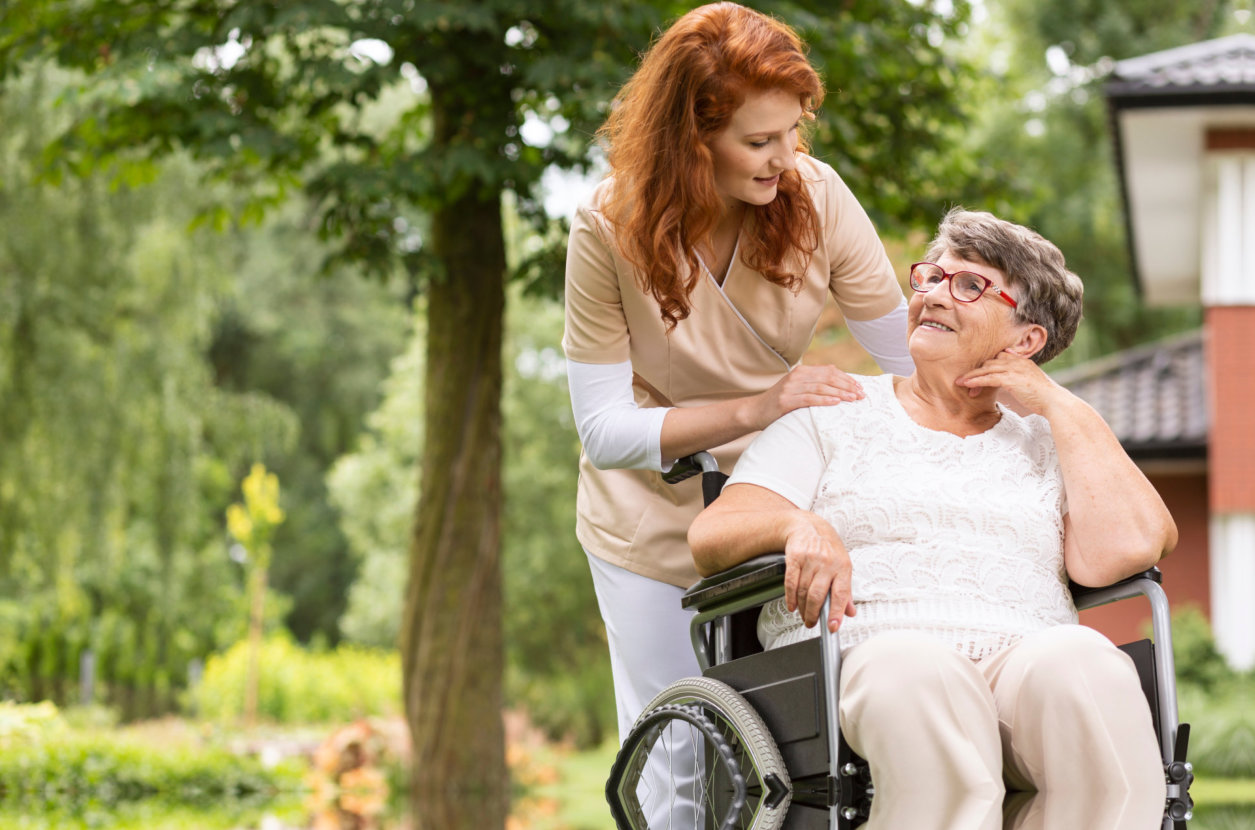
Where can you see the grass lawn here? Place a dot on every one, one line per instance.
(1223, 791)
(574, 798)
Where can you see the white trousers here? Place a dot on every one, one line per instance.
(648, 633)
(1060, 714)
(650, 649)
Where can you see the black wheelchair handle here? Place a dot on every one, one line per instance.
(689, 466)
(699, 462)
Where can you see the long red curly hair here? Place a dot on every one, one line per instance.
(664, 200)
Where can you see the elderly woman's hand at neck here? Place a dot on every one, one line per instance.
(1019, 377)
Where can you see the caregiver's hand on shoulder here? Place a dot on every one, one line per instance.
(803, 386)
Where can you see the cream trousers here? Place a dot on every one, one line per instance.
(1059, 715)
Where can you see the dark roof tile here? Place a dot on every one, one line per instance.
(1153, 397)
(1226, 61)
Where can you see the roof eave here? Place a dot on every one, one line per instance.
(1123, 94)
(1132, 93)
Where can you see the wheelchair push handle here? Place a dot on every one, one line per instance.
(699, 462)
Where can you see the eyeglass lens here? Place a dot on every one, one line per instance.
(964, 286)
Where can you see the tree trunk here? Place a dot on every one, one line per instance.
(451, 638)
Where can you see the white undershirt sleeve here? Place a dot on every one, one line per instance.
(615, 432)
(884, 338)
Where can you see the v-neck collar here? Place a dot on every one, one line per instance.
(721, 281)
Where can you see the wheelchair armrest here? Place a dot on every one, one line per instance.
(747, 577)
(762, 571)
(1085, 597)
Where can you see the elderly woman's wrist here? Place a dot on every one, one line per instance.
(809, 522)
(1061, 406)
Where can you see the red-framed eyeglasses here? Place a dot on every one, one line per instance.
(965, 286)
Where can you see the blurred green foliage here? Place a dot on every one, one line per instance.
(155, 814)
(320, 344)
(1214, 699)
(47, 767)
(1197, 660)
(1222, 817)
(300, 685)
(1222, 729)
(374, 489)
(558, 664)
(113, 447)
(143, 365)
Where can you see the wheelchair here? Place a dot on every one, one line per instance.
(754, 743)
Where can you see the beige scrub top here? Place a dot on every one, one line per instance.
(739, 340)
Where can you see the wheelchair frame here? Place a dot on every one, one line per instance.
(824, 772)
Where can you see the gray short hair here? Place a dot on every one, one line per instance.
(1048, 293)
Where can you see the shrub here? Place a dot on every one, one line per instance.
(1230, 817)
(1213, 699)
(1222, 729)
(302, 686)
(576, 707)
(46, 766)
(25, 723)
(1198, 661)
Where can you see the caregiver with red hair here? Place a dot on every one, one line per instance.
(695, 276)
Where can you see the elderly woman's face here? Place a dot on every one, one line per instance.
(966, 334)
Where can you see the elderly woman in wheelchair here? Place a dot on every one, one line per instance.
(939, 530)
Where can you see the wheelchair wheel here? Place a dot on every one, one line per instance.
(699, 756)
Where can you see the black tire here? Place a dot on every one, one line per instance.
(736, 782)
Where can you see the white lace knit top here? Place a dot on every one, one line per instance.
(958, 538)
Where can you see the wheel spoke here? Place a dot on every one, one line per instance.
(699, 750)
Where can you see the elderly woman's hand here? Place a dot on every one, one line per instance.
(1020, 377)
(817, 567)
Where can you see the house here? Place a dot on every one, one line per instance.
(1183, 123)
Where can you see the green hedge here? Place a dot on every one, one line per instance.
(44, 765)
(78, 772)
(299, 686)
